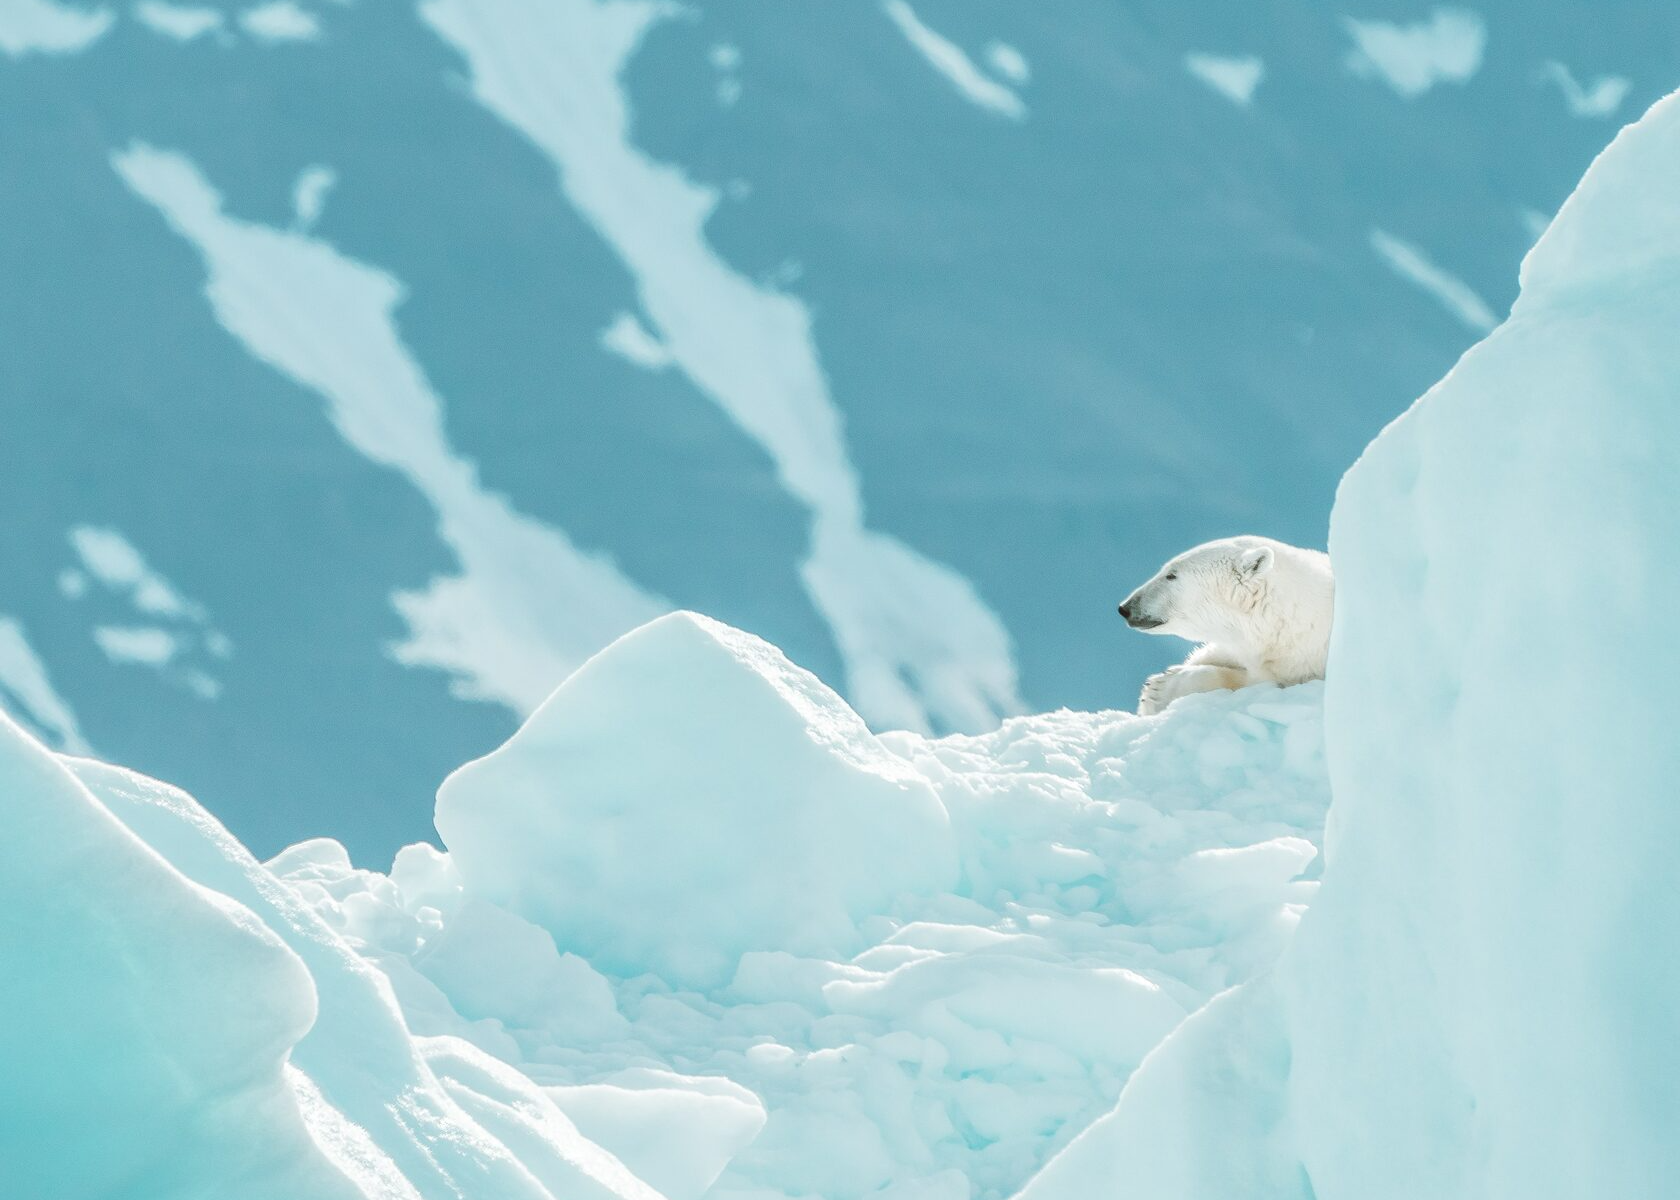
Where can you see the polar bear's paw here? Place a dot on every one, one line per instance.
(1184, 680)
(1158, 692)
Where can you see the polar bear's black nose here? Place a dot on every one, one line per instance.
(1125, 612)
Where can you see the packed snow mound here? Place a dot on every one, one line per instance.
(689, 795)
(1477, 1008)
(896, 967)
(622, 915)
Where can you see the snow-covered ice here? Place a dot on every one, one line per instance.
(698, 933)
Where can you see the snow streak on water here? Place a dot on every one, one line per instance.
(309, 195)
(630, 340)
(528, 605)
(43, 27)
(1601, 99)
(281, 21)
(27, 691)
(112, 559)
(949, 59)
(1232, 77)
(1451, 292)
(172, 634)
(182, 22)
(920, 646)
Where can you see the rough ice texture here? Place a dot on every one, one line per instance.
(756, 951)
(1475, 1008)
(698, 934)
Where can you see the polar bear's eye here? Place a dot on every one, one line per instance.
(1172, 575)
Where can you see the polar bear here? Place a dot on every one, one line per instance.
(1260, 609)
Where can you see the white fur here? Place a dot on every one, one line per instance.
(1260, 610)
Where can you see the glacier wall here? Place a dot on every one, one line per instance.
(1501, 852)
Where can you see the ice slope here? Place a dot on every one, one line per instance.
(1480, 1004)
(179, 1023)
(759, 952)
(699, 933)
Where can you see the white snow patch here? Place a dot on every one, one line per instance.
(950, 60)
(25, 683)
(920, 646)
(1601, 99)
(184, 23)
(1411, 59)
(205, 687)
(112, 560)
(528, 606)
(1234, 77)
(142, 645)
(1452, 293)
(281, 21)
(309, 195)
(628, 338)
(45, 27)
(1009, 62)
(727, 59)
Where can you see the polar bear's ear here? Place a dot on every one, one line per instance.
(1255, 562)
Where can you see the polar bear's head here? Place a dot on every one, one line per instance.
(1204, 594)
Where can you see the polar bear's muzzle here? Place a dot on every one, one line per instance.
(1136, 618)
